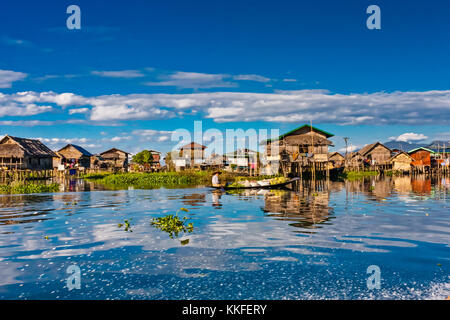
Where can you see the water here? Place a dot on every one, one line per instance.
(314, 243)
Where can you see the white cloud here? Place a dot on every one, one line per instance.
(80, 110)
(194, 80)
(15, 42)
(251, 77)
(26, 123)
(407, 108)
(55, 141)
(289, 80)
(119, 74)
(409, 136)
(7, 77)
(350, 148)
(118, 139)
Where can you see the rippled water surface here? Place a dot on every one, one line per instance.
(313, 243)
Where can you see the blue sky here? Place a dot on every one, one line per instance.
(137, 70)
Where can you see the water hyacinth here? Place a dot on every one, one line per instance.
(173, 225)
(25, 188)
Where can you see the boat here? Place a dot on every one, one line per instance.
(269, 186)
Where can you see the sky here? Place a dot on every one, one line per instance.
(137, 71)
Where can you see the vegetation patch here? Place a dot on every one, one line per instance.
(354, 175)
(126, 224)
(173, 225)
(143, 180)
(24, 188)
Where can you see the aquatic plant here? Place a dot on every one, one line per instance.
(152, 180)
(143, 180)
(354, 175)
(127, 225)
(22, 188)
(173, 225)
(95, 176)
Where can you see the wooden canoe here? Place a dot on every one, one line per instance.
(270, 186)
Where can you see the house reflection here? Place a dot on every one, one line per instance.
(306, 208)
(18, 209)
(194, 199)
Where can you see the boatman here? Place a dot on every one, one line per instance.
(215, 179)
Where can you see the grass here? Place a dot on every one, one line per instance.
(164, 179)
(151, 180)
(22, 188)
(354, 175)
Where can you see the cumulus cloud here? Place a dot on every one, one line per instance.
(7, 77)
(350, 148)
(58, 141)
(119, 74)
(79, 110)
(153, 135)
(321, 106)
(118, 139)
(409, 136)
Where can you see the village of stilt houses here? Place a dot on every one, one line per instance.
(303, 152)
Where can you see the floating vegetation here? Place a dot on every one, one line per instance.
(126, 224)
(22, 188)
(151, 180)
(354, 175)
(173, 225)
(144, 180)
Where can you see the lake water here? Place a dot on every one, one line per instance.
(313, 243)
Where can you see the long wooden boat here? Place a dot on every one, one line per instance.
(270, 186)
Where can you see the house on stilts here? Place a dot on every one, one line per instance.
(304, 149)
(21, 153)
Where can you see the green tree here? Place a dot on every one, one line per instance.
(144, 157)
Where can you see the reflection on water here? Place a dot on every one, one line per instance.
(315, 241)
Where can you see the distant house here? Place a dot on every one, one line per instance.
(421, 158)
(215, 160)
(401, 162)
(353, 160)
(21, 153)
(337, 160)
(156, 160)
(376, 154)
(114, 158)
(242, 159)
(192, 153)
(73, 155)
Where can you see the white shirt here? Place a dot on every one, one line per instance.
(215, 179)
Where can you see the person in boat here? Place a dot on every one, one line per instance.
(215, 179)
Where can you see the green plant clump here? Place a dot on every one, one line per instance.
(127, 225)
(23, 188)
(172, 224)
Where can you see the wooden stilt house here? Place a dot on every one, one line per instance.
(304, 148)
(75, 156)
(21, 153)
